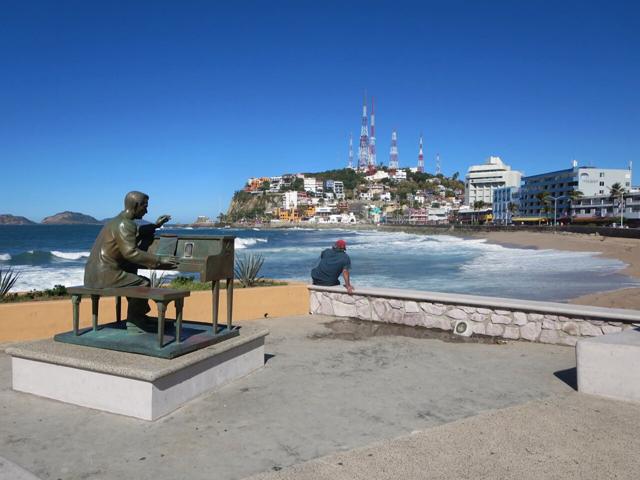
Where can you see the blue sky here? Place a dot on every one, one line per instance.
(185, 100)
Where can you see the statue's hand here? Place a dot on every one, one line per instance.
(168, 263)
(162, 219)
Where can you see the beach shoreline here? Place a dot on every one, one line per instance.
(626, 250)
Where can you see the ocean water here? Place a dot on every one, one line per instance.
(47, 255)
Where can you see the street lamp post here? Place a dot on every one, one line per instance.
(621, 206)
(555, 207)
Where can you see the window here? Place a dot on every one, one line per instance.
(602, 184)
(601, 174)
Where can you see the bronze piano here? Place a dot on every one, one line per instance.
(211, 257)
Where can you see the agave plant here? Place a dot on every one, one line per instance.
(156, 280)
(247, 268)
(8, 278)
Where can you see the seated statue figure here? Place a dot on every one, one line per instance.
(119, 251)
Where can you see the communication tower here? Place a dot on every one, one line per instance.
(438, 164)
(363, 150)
(372, 141)
(420, 157)
(393, 153)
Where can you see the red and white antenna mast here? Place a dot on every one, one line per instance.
(420, 157)
(393, 153)
(372, 141)
(351, 150)
(363, 150)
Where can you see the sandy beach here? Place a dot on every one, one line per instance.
(624, 249)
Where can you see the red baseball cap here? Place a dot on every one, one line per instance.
(341, 244)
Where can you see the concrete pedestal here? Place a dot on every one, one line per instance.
(609, 365)
(129, 384)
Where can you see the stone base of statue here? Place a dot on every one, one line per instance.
(128, 384)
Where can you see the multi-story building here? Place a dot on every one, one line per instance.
(560, 185)
(482, 180)
(290, 200)
(338, 189)
(505, 204)
(310, 184)
(604, 208)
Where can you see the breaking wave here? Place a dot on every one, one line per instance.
(241, 243)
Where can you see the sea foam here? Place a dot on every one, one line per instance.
(70, 255)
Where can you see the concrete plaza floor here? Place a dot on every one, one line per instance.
(339, 399)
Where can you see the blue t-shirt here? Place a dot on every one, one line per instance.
(332, 263)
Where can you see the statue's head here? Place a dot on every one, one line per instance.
(136, 203)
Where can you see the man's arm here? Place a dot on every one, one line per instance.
(127, 243)
(347, 282)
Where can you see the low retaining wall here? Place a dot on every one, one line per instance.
(35, 320)
(544, 322)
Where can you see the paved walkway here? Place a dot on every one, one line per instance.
(567, 437)
(323, 391)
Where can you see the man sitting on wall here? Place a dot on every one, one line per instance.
(333, 262)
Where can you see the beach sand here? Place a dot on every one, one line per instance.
(624, 249)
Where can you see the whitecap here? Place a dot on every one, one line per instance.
(5, 257)
(241, 243)
(70, 255)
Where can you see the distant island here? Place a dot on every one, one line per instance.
(70, 218)
(7, 219)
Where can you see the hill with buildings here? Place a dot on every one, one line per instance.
(344, 196)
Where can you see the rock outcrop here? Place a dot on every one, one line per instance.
(7, 219)
(70, 218)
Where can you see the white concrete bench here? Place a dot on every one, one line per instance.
(609, 365)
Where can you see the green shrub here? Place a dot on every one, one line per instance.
(156, 280)
(247, 268)
(8, 279)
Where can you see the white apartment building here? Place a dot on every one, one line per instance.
(338, 189)
(310, 184)
(482, 180)
(290, 200)
(400, 175)
(560, 184)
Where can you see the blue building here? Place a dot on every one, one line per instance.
(505, 204)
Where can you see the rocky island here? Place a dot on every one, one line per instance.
(70, 218)
(7, 219)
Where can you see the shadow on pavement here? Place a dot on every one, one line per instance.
(568, 376)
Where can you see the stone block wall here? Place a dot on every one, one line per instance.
(506, 318)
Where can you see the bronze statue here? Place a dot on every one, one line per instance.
(119, 251)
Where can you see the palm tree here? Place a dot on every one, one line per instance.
(545, 201)
(574, 195)
(616, 192)
(512, 208)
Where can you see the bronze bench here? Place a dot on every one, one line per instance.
(162, 297)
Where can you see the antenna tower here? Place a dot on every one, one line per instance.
(420, 157)
(372, 141)
(351, 150)
(363, 150)
(393, 153)
(438, 164)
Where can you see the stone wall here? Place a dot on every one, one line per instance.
(544, 322)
